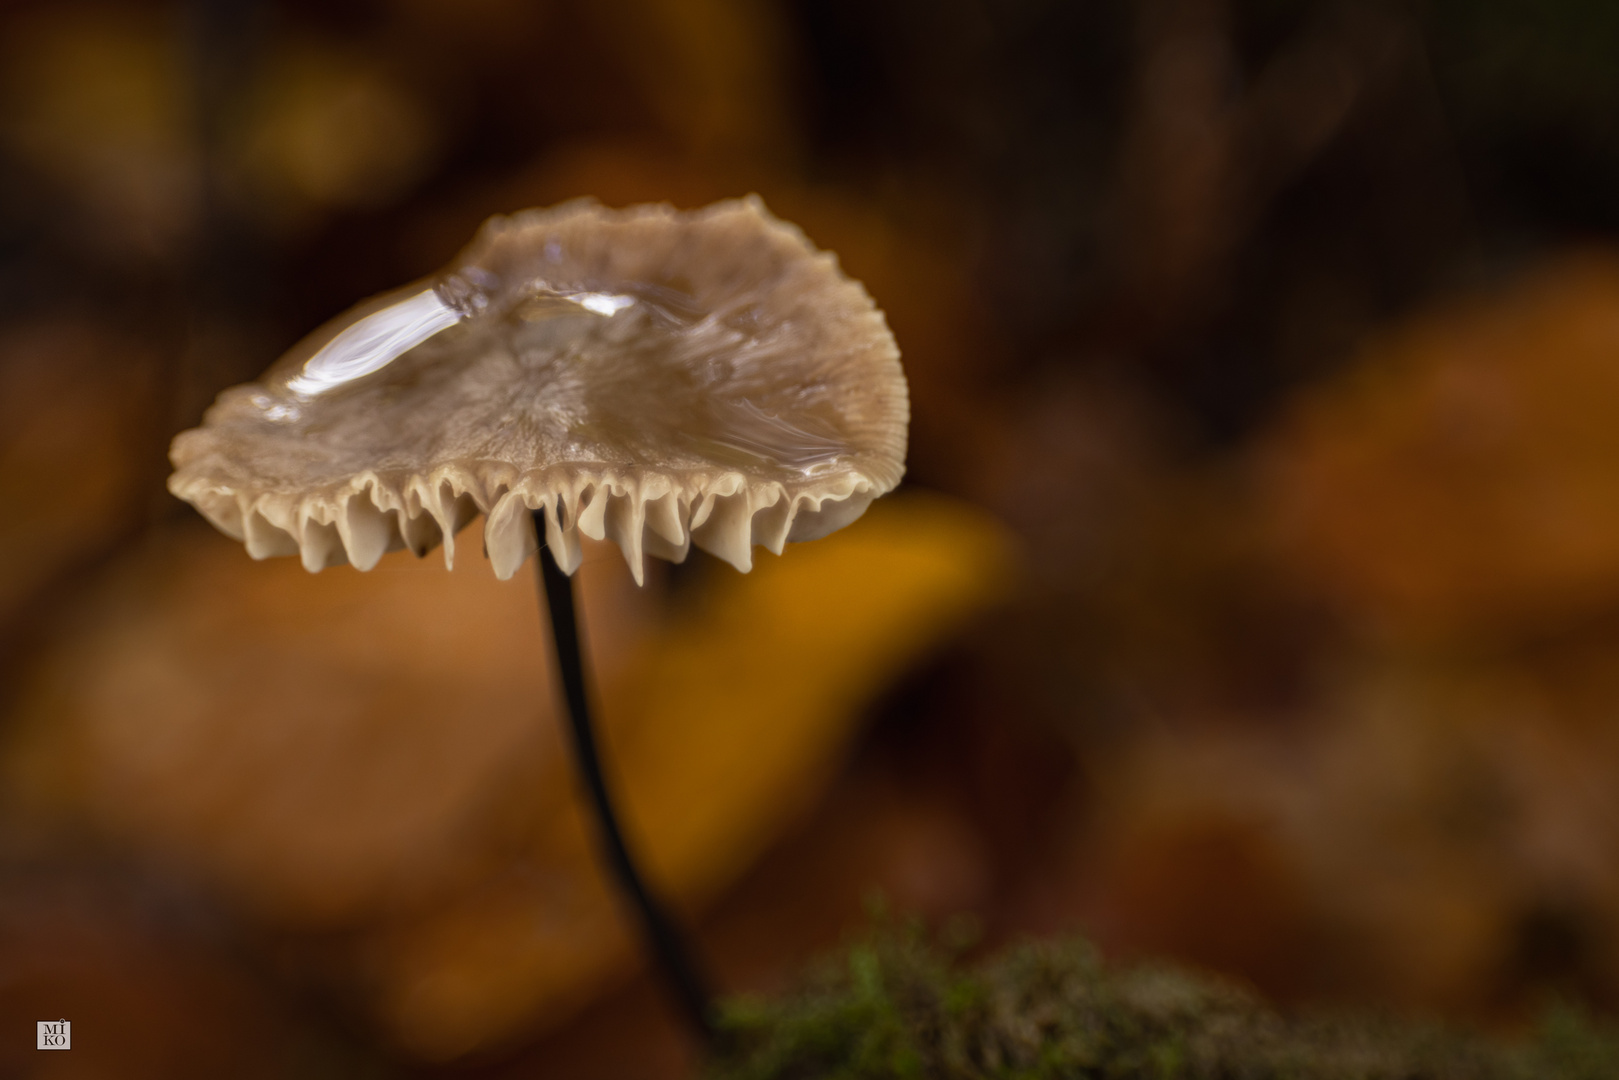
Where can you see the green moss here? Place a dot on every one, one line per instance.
(896, 1007)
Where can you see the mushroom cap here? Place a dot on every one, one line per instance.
(650, 376)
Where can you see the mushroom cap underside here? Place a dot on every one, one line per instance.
(650, 376)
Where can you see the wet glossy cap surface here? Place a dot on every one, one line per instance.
(647, 375)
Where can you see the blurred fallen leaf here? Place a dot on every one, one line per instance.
(739, 712)
(377, 755)
(1462, 476)
(1438, 839)
(319, 746)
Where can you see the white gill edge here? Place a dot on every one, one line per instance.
(726, 515)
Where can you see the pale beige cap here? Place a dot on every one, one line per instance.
(650, 376)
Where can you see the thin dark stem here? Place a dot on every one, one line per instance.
(668, 947)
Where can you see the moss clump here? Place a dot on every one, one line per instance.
(896, 1007)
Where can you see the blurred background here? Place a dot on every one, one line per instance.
(1252, 600)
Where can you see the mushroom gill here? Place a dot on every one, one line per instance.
(650, 376)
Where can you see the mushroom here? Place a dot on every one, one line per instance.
(653, 377)
(648, 376)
